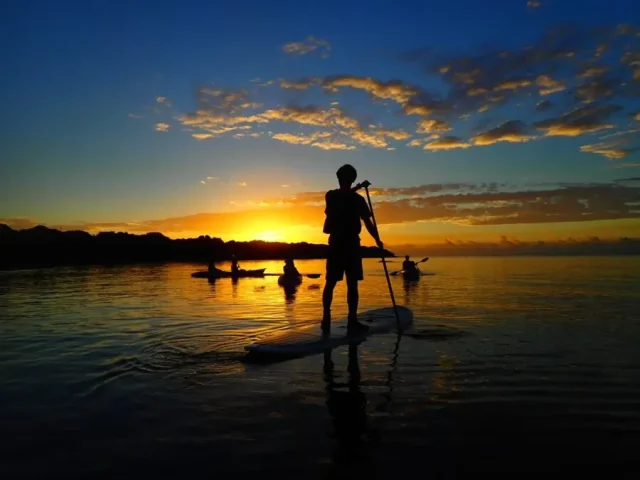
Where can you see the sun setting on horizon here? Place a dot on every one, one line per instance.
(534, 136)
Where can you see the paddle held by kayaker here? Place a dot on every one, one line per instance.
(345, 209)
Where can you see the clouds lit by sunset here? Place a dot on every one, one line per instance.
(514, 119)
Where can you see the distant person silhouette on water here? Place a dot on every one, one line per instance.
(289, 268)
(235, 268)
(344, 210)
(408, 264)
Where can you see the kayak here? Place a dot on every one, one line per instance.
(289, 280)
(216, 273)
(412, 274)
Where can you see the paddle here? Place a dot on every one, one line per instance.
(308, 275)
(400, 271)
(366, 185)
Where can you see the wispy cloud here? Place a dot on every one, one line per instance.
(162, 127)
(393, 90)
(513, 131)
(582, 80)
(308, 45)
(582, 120)
(608, 150)
(534, 3)
(447, 143)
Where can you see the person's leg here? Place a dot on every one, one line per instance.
(327, 299)
(352, 298)
(334, 273)
(354, 274)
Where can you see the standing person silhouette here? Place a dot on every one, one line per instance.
(344, 211)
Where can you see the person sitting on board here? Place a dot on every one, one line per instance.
(344, 210)
(289, 268)
(408, 264)
(235, 268)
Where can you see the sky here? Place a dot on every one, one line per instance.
(473, 121)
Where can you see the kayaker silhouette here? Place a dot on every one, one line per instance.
(235, 268)
(408, 264)
(289, 268)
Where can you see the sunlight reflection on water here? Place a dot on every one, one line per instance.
(127, 345)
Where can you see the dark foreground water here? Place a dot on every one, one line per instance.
(515, 365)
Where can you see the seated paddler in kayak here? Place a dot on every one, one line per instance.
(409, 266)
(289, 269)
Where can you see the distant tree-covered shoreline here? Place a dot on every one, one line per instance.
(44, 247)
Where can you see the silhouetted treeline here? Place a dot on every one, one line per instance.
(41, 246)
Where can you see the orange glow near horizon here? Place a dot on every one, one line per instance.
(304, 224)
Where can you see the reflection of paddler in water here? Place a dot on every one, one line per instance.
(290, 292)
(347, 408)
(410, 287)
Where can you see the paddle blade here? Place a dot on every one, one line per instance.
(313, 275)
(424, 259)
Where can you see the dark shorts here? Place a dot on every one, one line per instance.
(344, 258)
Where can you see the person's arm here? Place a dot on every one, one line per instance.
(371, 228)
(366, 216)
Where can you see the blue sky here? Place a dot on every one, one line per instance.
(101, 95)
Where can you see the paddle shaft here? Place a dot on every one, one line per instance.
(308, 275)
(384, 262)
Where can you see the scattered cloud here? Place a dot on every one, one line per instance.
(202, 136)
(433, 126)
(308, 45)
(513, 131)
(133, 115)
(548, 85)
(607, 150)
(584, 71)
(161, 99)
(594, 71)
(393, 90)
(302, 84)
(582, 120)
(534, 3)
(242, 184)
(447, 143)
(162, 127)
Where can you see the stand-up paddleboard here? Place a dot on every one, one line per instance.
(308, 339)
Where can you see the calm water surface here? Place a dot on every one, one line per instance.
(514, 365)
